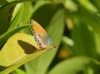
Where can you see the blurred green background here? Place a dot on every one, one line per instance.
(74, 25)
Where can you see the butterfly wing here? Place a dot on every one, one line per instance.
(40, 35)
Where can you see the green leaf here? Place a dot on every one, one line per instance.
(19, 49)
(18, 10)
(70, 66)
(5, 15)
(26, 15)
(18, 71)
(67, 42)
(96, 3)
(27, 12)
(92, 19)
(97, 43)
(83, 38)
(5, 36)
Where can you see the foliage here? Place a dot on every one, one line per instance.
(72, 24)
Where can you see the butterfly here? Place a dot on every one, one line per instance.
(41, 37)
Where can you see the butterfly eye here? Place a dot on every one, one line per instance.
(38, 35)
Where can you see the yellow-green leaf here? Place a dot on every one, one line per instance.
(19, 49)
